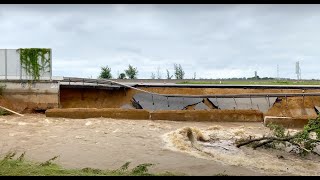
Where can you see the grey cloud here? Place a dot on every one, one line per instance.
(215, 41)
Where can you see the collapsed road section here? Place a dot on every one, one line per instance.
(183, 102)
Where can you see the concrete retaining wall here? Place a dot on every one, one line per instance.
(43, 95)
(209, 115)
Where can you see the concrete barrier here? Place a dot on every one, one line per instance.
(288, 122)
(209, 115)
(171, 115)
(83, 113)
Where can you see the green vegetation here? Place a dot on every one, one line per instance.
(3, 112)
(122, 76)
(305, 140)
(2, 87)
(257, 82)
(30, 61)
(19, 167)
(178, 71)
(105, 73)
(131, 72)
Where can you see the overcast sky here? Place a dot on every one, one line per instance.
(215, 41)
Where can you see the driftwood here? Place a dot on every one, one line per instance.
(11, 111)
(266, 140)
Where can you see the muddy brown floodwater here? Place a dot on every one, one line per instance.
(108, 143)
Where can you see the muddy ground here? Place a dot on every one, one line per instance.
(107, 144)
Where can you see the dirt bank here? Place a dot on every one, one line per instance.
(18, 105)
(295, 107)
(83, 113)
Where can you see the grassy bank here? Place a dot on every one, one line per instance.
(13, 165)
(10, 166)
(254, 82)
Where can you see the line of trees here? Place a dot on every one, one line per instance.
(132, 73)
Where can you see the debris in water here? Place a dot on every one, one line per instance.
(218, 143)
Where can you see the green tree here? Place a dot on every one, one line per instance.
(122, 76)
(105, 73)
(131, 72)
(178, 71)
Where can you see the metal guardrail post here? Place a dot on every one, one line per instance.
(251, 101)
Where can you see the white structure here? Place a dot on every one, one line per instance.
(298, 70)
(11, 68)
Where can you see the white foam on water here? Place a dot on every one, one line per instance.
(22, 123)
(88, 123)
